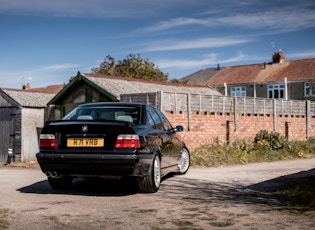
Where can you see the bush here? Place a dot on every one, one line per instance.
(270, 141)
(265, 147)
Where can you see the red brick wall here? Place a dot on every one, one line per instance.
(206, 128)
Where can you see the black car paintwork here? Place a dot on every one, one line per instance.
(103, 161)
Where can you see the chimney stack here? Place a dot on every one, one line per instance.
(26, 86)
(278, 57)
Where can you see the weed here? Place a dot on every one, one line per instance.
(183, 224)
(299, 193)
(225, 223)
(265, 147)
(146, 210)
(270, 141)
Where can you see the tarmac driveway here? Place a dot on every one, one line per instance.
(234, 197)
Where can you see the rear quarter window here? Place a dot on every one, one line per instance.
(156, 119)
(166, 123)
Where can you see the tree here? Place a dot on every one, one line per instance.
(132, 66)
(179, 81)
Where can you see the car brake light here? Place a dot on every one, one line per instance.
(47, 141)
(127, 141)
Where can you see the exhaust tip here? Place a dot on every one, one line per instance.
(52, 174)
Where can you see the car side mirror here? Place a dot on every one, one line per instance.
(179, 128)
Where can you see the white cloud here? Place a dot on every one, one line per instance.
(59, 67)
(201, 43)
(208, 60)
(306, 54)
(285, 15)
(283, 20)
(176, 22)
(90, 8)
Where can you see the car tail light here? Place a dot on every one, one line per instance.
(127, 141)
(47, 141)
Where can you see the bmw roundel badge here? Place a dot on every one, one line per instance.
(84, 129)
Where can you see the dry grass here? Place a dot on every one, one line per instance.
(299, 193)
(4, 223)
(30, 164)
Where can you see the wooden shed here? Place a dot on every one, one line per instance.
(22, 114)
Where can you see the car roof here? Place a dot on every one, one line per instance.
(112, 104)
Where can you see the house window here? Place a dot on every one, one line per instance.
(238, 91)
(276, 91)
(308, 90)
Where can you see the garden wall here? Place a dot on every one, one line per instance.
(209, 119)
(208, 128)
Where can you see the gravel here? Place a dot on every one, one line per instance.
(233, 197)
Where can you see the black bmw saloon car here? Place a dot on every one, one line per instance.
(112, 139)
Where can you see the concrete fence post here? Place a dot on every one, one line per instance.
(159, 100)
(189, 111)
(274, 104)
(235, 113)
(308, 118)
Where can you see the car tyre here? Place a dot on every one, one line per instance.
(59, 182)
(184, 162)
(151, 183)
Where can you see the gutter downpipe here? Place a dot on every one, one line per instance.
(286, 88)
(225, 89)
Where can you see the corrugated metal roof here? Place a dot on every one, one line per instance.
(28, 98)
(117, 86)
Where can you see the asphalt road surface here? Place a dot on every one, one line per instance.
(234, 197)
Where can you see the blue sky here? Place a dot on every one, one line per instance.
(46, 42)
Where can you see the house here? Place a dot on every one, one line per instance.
(279, 79)
(22, 113)
(86, 88)
(201, 77)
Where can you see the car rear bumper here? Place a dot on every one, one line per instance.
(95, 165)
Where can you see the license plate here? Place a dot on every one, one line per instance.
(85, 142)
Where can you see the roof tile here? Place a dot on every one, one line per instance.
(117, 86)
(293, 70)
(28, 98)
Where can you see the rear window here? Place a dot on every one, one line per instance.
(105, 113)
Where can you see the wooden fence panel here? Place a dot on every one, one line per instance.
(183, 102)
